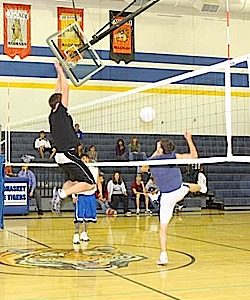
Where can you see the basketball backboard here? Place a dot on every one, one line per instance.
(80, 65)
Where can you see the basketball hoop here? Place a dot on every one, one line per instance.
(67, 45)
(78, 58)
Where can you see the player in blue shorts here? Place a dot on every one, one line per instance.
(169, 181)
(85, 206)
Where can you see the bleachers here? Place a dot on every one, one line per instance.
(228, 181)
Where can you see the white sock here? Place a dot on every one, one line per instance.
(62, 194)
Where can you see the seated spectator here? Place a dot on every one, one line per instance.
(78, 132)
(42, 144)
(80, 136)
(85, 206)
(140, 194)
(117, 192)
(102, 198)
(33, 191)
(135, 150)
(192, 172)
(153, 192)
(120, 150)
(92, 153)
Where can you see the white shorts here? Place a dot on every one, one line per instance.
(168, 202)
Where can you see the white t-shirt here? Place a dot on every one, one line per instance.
(42, 143)
(95, 173)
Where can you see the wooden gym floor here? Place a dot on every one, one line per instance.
(209, 255)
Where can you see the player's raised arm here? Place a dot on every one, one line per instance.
(192, 149)
(62, 85)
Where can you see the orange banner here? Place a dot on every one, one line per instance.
(17, 35)
(65, 17)
(122, 39)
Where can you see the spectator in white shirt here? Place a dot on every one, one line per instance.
(117, 192)
(42, 144)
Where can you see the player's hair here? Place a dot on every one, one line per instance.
(54, 99)
(167, 146)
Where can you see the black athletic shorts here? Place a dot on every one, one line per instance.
(73, 167)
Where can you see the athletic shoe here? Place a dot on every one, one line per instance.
(56, 201)
(163, 259)
(84, 237)
(128, 213)
(138, 211)
(179, 207)
(53, 199)
(76, 239)
(148, 212)
(110, 212)
(202, 182)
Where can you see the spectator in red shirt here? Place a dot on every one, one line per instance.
(140, 194)
(102, 198)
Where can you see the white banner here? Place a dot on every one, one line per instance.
(15, 193)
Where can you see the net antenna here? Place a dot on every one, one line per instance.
(77, 55)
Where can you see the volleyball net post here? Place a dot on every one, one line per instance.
(1, 190)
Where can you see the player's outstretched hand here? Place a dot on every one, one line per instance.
(188, 135)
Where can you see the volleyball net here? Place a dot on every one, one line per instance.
(212, 102)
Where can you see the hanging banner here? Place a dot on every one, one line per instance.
(17, 37)
(65, 17)
(122, 39)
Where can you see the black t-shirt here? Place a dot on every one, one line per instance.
(62, 130)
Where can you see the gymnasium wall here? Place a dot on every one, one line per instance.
(165, 46)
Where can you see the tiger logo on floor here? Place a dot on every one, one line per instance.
(97, 258)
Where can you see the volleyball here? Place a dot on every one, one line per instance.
(147, 114)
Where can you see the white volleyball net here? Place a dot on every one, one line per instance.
(212, 102)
